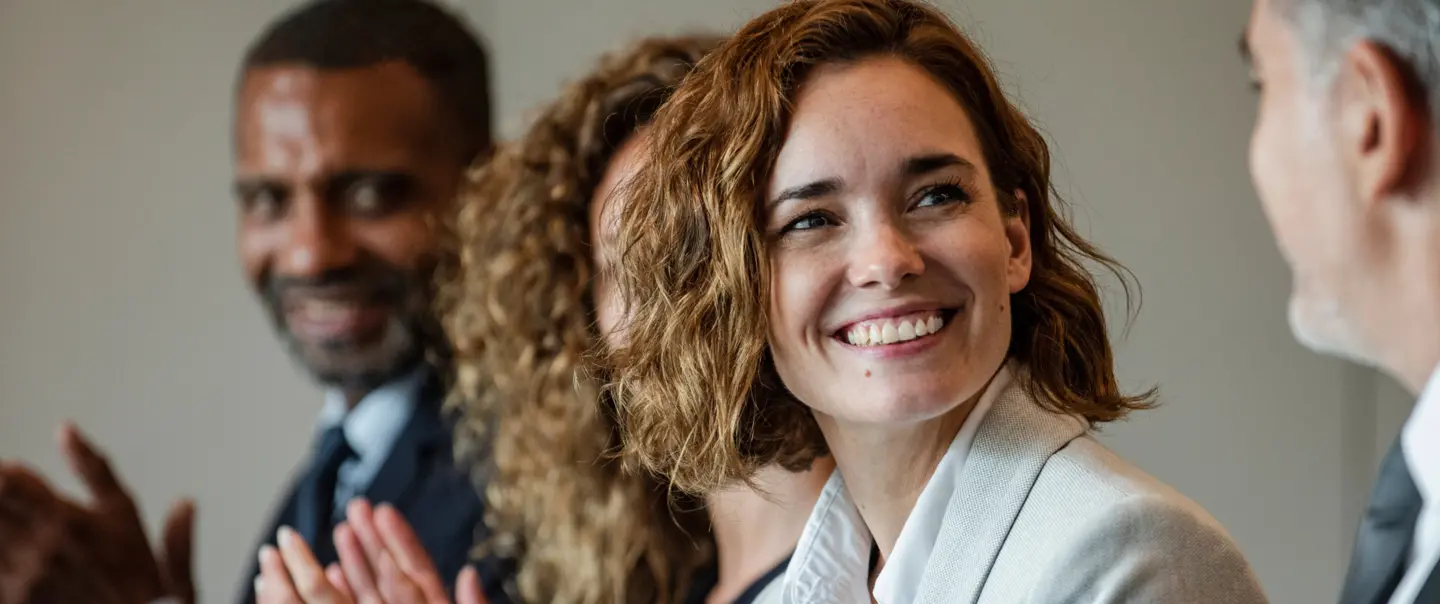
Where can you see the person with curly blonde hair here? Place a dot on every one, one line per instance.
(525, 304)
(846, 240)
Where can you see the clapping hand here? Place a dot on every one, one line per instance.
(381, 562)
(53, 549)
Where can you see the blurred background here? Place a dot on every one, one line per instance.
(122, 306)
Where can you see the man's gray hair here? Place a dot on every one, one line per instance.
(1408, 28)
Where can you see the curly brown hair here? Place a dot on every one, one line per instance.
(516, 302)
(697, 392)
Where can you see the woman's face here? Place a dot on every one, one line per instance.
(604, 219)
(891, 261)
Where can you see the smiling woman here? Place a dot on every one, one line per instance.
(848, 241)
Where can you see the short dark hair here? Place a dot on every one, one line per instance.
(349, 34)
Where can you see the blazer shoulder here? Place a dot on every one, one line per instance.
(1149, 547)
(1105, 492)
(1085, 461)
(1113, 533)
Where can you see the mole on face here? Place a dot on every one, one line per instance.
(867, 373)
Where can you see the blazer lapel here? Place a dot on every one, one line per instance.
(1014, 441)
(425, 435)
(285, 515)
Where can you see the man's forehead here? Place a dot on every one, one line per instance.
(392, 83)
(383, 116)
(1246, 42)
(1259, 39)
(1267, 20)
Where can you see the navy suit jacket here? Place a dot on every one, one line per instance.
(421, 481)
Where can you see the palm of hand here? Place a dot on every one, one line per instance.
(62, 551)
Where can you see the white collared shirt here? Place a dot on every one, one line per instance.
(371, 429)
(831, 564)
(1420, 441)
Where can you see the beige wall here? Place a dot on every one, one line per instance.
(121, 306)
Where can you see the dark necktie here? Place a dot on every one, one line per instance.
(317, 501)
(1382, 547)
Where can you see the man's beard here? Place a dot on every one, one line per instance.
(1320, 324)
(410, 332)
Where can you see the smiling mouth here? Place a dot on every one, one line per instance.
(331, 319)
(895, 330)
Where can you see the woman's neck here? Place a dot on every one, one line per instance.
(756, 528)
(887, 466)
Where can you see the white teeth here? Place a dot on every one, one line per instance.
(325, 310)
(888, 332)
(858, 337)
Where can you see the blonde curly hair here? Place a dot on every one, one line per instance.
(697, 392)
(516, 303)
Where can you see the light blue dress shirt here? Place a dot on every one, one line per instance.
(371, 429)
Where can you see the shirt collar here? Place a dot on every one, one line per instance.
(899, 580)
(832, 560)
(1420, 440)
(376, 422)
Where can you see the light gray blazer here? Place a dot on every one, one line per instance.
(1043, 513)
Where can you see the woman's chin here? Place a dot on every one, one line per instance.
(899, 407)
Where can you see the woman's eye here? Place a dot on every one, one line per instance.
(942, 194)
(813, 220)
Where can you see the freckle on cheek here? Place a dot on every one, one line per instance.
(867, 373)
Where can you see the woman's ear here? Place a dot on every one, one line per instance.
(1017, 235)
